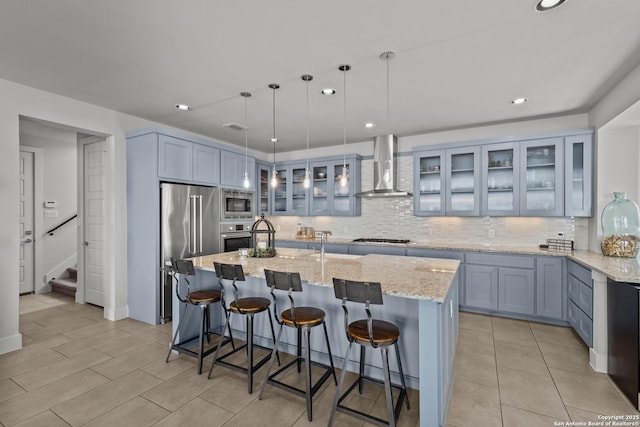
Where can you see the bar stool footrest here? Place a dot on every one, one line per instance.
(396, 410)
(314, 388)
(257, 365)
(181, 349)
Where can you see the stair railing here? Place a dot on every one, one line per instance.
(51, 232)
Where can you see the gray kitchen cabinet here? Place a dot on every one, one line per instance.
(289, 197)
(502, 283)
(481, 287)
(516, 290)
(295, 244)
(500, 180)
(187, 161)
(462, 181)
(377, 249)
(541, 177)
(332, 248)
(580, 301)
(263, 172)
(578, 184)
(175, 158)
(551, 288)
(429, 168)
(328, 196)
(447, 182)
(232, 168)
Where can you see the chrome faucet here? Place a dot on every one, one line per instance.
(323, 237)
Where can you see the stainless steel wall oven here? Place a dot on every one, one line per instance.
(234, 236)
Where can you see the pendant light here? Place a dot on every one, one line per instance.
(245, 182)
(307, 180)
(386, 56)
(274, 173)
(344, 179)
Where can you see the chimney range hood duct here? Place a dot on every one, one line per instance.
(384, 169)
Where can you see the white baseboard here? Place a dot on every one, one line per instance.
(12, 343)
(598, 361)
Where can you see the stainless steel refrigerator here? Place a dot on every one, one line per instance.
(189, 227)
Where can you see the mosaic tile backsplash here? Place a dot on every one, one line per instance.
(393, 218)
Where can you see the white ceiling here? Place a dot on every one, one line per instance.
(458, 63)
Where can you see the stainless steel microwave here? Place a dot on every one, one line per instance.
(236, 204)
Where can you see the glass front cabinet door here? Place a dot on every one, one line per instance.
(299, 195)
(500, 180)
(429, 184)
(541, 177)
(578, 164)
(463, 181)
(264, 175)
(280, 191)
(334, 184)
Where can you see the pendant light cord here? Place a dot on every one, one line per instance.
(344, 117)
(307, 81)
(246, 139)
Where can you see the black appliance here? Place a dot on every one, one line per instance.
(234, 236)
(623, 328)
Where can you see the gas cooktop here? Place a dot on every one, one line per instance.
(365, 240)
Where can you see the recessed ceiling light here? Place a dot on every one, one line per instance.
(519, 101)
(183, 107)
(328, 91)
(369, 125)
(545, 5)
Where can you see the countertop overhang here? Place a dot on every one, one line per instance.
(402, 276)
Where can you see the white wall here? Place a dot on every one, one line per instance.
(59, 184)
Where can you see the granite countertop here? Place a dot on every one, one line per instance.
(408, 277)
(618, 269)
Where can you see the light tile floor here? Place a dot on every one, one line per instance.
(77, 368)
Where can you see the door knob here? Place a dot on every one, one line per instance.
(26, 241)
(85, 243)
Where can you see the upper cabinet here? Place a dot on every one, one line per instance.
(500, 180)
(549, 176)
(232, 169)
(263, 171)
(326, 194)
(448, 182)
(183, 160)
(541, 177)
(578, 182)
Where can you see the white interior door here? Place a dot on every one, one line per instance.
(94, 154)
(26, 261)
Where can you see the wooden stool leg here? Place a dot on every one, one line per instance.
(387, 385)
(333, 369)
(271, 360)
(307, 363)
(340, 383)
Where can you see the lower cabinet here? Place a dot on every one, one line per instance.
(516, 290)
(551, 288)
(375, 249)
(481, 287)
(580, 301)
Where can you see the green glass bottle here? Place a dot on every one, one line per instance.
(620, 227)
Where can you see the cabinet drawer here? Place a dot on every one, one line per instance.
(434, 253)
(572, 291)
(585, 299)
(581, 273)
(582, 324)
(500, 260)
(370, 249)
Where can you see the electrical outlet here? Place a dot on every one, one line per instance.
(278, 227)
(345, 230)
(50, 214)
(492, 233)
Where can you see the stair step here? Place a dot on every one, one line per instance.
(64, 286)
(73, 273)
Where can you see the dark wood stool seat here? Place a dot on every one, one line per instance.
(302, 319)
(305, 316)
(204, 297)
(250, 305)
(376, 334)
(384, 333)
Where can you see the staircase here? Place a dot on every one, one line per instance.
(66, 285)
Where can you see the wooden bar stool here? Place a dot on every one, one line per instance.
(248, 307)
(202, 299)
(302, 319)
(368, 333)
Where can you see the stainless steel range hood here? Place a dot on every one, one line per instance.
(385, 167)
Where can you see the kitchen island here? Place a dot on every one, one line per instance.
(420, 296)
